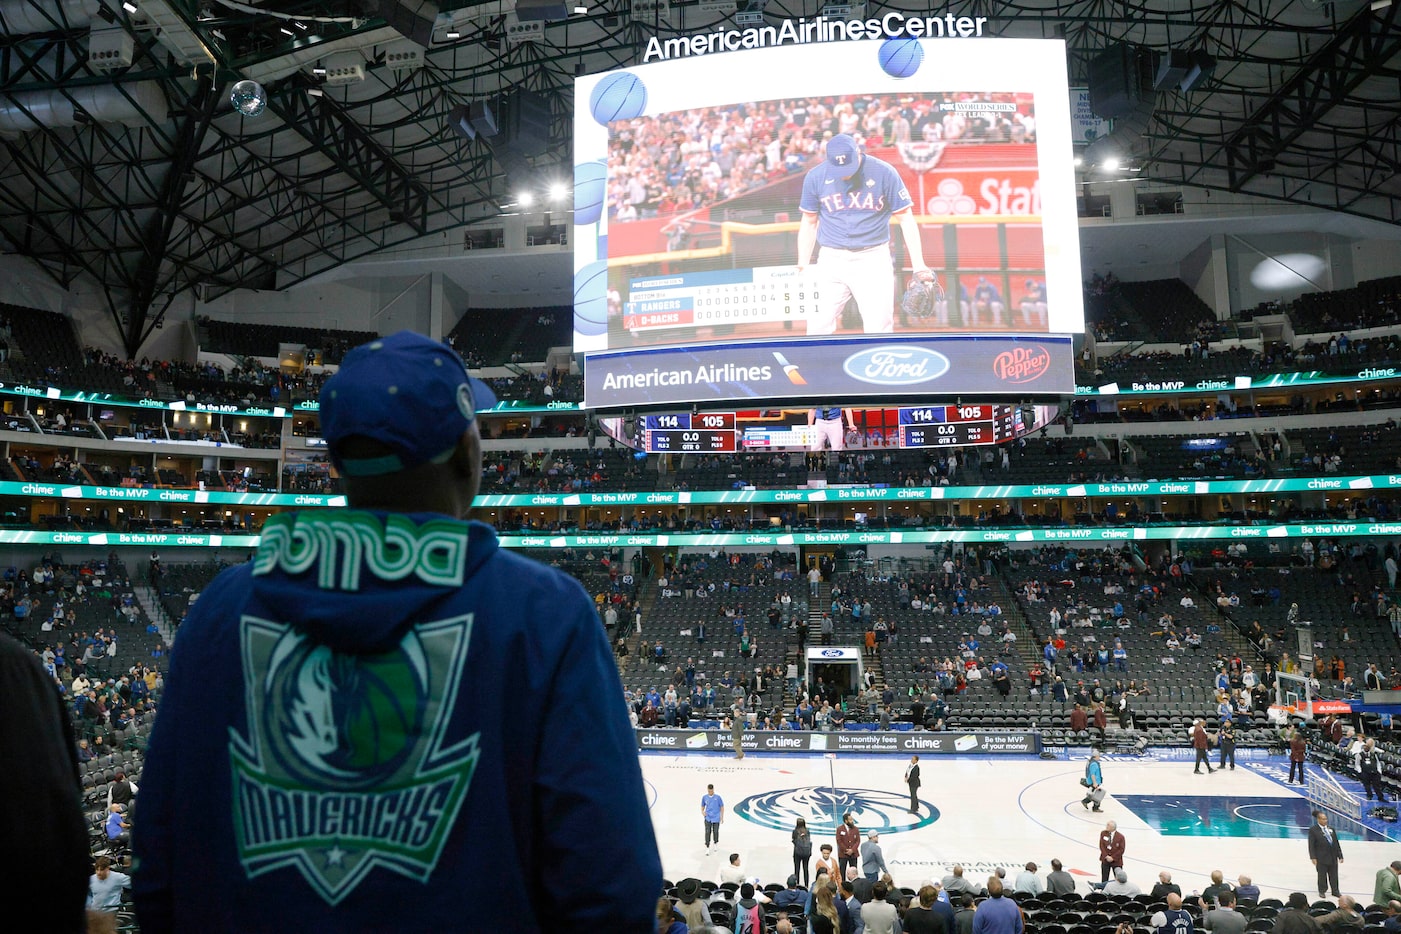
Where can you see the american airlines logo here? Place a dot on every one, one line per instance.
(896, 366)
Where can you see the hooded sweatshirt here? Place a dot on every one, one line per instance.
(377, 713)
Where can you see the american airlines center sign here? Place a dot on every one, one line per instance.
(893, 25)
(905, 743)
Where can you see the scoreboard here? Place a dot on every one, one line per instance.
(952, 425)
(927, 426)
(707, 433)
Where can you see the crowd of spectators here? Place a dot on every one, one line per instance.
(681, 162)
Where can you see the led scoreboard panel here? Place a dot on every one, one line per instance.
(698, 295)
(711, 432)
(939, 425)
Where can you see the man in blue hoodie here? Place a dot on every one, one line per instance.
(366, 755)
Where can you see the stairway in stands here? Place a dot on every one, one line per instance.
(1028, 646)
(791, 656)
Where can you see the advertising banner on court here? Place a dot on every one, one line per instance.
(905, 743)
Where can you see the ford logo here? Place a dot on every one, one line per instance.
(896, 365)
(831, 653)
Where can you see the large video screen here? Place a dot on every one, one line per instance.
(745, 217)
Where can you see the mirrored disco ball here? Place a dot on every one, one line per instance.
(249, 98)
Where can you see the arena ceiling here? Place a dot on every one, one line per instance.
(143, 178)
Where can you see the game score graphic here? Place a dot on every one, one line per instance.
(928, 426)
(705, 219)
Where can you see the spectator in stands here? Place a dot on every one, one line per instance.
(1120, 885)
(1295, 918)
(1172, 919)
(1345, 915)
(1164, 886)
(117, 827)
(400, 423)
(1058, 881)
(1028, 882)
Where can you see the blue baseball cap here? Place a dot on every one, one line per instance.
(843, 153)
(408, 392)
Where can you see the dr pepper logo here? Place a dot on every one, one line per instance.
(1021, 364)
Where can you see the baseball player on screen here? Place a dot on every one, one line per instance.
(847, 204)
(828, 422)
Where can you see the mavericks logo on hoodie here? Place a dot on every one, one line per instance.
(344, 767)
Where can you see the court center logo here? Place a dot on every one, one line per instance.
(822, 807)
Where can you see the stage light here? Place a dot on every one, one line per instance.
(557, 192)
(1111, 163)
(526, 199)
(129, 6)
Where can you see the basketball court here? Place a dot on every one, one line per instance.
(985, 812)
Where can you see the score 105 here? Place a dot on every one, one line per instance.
(710, 421)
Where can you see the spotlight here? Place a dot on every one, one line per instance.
(1111, 163)
(526, 199)
(285, 31)
(580, 9)
(1079, 161)
(454, 34)
(319, 72)
(129, 6)
(557, 192)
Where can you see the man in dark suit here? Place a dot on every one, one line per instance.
(912, 779)
(1326, 854)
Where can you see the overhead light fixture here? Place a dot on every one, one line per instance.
(454, 34)
(1379, 5)
(285, 31)
(1079, 161)
(128, 6)
(526, 199)
(1111, 163)
(580, 9)
(319, 72)
(301, 26)
(558, 191)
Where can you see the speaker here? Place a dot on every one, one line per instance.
(1172, 68)
(483, 118)
(412, 19)
(460, 122)
(528, 10)
(1117, 83)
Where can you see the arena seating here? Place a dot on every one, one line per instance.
(263, 340)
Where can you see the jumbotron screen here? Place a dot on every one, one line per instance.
(733, 248)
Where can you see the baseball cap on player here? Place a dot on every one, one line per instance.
(408, 392)
(843, 154)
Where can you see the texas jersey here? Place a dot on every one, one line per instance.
(854, 213)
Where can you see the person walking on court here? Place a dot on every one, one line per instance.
(384, 675)
(802, 851)
(1297, 750)
(1200, 741)
(1111, 851)
(1369, 767)
(872, 859)
(1093, 782)
(1226, 745)
(848, 843)
(912, 779)
(737, 728)
(713, 812)
(1326, 853)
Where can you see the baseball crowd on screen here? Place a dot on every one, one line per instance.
(678, 162)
